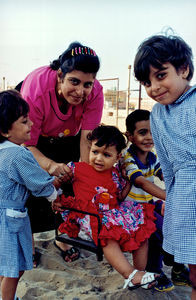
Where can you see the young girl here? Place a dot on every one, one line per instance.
(19, 174)
(97, 189)
(164, 66)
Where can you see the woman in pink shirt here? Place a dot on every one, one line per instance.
(66, 103)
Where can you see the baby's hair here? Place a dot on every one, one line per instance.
(134, 117)
(160, 49)
(12, 107)
(108, 136)
(85, 60)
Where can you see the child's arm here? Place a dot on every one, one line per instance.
(57, 205)
(125, 182)
(150, 187)
(123, 194)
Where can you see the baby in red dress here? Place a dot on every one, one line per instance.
(99, 188)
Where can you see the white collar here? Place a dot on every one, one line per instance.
(7, 144)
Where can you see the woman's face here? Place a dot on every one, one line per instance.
(76, 86)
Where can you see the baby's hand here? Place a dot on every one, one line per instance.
(123, 172)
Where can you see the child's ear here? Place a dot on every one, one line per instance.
(185, 72)
(129, 136)
(6, 135)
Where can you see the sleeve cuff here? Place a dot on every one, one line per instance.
(53, 196)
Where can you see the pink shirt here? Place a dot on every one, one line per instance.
(38, 89)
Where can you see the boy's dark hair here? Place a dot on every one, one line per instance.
(109, 136)
(160, 49)
(134, 117)
(67, 62)
(12, 107)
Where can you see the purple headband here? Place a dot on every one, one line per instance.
(82, 51)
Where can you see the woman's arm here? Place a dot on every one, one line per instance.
(84, 146)
(56, 169)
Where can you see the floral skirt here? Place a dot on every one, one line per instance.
(130, 224)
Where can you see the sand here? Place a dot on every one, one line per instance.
(84, 279)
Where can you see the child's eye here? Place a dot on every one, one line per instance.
(106, 154)
(146, 83)
(95, 152)
(88, 85)
(143, 132)
(161, 75)
(25, 120)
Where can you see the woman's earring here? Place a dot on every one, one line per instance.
(59, 92)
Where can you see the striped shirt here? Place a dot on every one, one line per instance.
(135, 168)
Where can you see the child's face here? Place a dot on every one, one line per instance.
(142, 137)
(20, 131)
(102, 158)
(166, 86)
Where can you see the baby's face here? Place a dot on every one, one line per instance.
(102, 158)
(166, 85)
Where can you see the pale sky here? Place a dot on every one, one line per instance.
(35, 32)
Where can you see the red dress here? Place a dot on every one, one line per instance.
(97, 192)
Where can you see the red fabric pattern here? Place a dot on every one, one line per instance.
(92, 189)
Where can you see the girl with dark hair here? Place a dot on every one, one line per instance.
(20, 174)
(66, 103)
(125, 227)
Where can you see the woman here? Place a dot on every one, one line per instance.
(66, 103)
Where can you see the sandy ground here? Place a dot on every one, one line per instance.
(84, 279)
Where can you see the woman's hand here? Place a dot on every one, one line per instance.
(61, 171)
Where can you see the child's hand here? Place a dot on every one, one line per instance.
(122, 170)
(57, 183)
(57, 205)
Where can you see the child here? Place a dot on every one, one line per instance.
(97, 189)
(142, 165)
(164, 66)
(19, 174)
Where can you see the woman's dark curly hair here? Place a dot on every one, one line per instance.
(67, 63)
